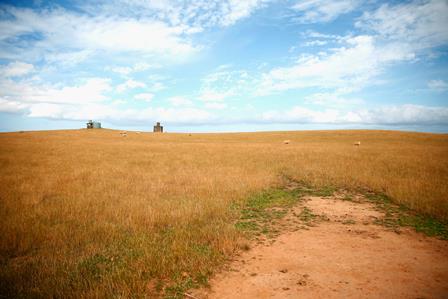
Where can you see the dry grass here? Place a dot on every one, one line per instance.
(93, 214)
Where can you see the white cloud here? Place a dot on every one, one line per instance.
(217, 106)
(438, 85)
(144, 97)
(16, 69)
(82, 110)
(315, 43)
(225, 83)
(137, 67)
(68, 58)
(208, 95)
(145, 27)
(92, 90)
(88, 100)
(130, 84)
(111, 113)
(404, 114)
(237, 9)
(180, 101)
(417, 24)
(397, 33)
(195, 15)
(69, 30)
(142, 66)
(122, 70)
(119, 102)
(387, 115)
(12, 106)
(157, 86)
(331, 99)
(314, 11)
(347, 68)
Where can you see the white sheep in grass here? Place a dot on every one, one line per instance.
(357, 143)
(286, 141)
(124, 134)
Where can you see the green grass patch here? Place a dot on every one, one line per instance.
(349, 222)
(347, 198)
(323, 191)
(400, 216)
(258, 214)
(307, 215)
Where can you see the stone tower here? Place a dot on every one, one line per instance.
(158, 128)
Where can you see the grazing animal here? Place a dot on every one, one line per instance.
(357, 143)
(286, 141)
(138, 132)
(124, 134)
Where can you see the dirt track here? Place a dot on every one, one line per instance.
(345, 257)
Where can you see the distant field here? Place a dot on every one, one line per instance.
(88, 213)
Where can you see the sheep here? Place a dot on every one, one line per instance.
(286, 141)
(124, 134)
(357, 143)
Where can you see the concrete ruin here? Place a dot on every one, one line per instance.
(93, 124)
(158, 128)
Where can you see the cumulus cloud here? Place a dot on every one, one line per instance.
(417, 24)
(180, 101)
(332, 99)
(64, 29)
(71, 110)
(194, 15)
(88, 100)
(137, 67)
(225, 83)
(16, 69)
(144, 97)
(43, 100)
(91, 90)
(315, 11)
(12, 106)
(111, 113)
(387, 115)
(130, 84)
(237, 9)
(345, 69)
(68, 58)
(438, 85)
(396, 33)
(217, 106)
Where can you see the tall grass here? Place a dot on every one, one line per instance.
(88, 213)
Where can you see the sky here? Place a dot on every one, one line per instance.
(224, 65)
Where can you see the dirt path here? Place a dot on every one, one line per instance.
(345, 256)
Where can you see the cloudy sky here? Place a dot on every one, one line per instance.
(224, 65)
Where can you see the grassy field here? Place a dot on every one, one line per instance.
(88, 213)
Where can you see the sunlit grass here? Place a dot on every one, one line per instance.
(93, 214)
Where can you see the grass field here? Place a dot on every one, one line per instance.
(88, 213)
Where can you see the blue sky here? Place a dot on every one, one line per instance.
(224, 65)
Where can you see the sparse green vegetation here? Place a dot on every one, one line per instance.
(307, 215)
(347, 197)
(400, 216)
(261, 210)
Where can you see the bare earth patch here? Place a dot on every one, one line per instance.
(343, 255)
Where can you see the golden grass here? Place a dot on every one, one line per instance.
(88, 213)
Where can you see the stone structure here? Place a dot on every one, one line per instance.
(158, 128)
(93, 124)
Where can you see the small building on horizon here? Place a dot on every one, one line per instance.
(93, 124)
(158, 128)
